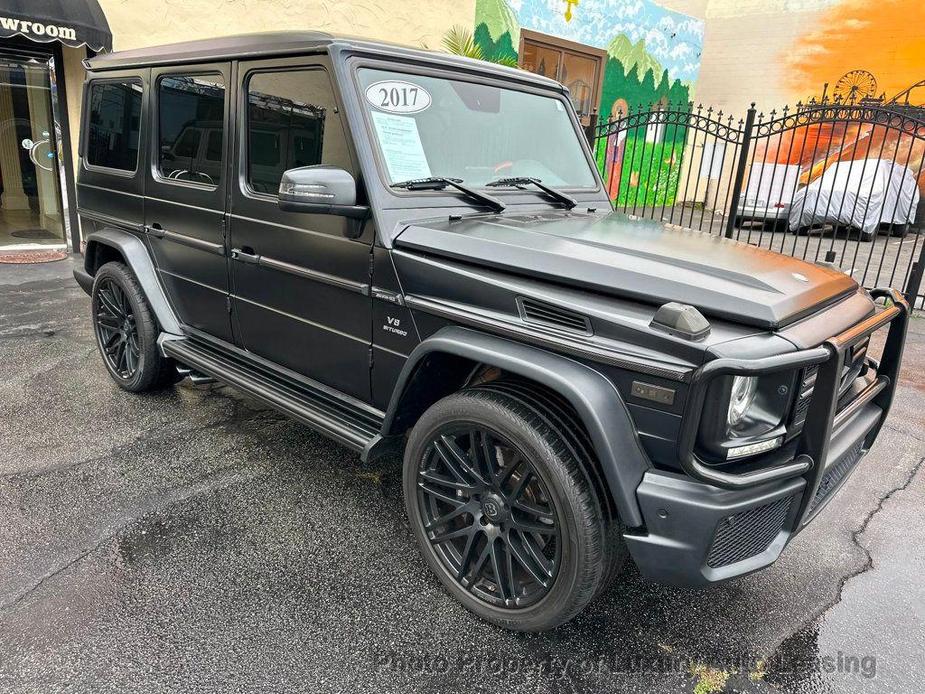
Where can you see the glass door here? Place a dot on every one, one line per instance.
(30, 187)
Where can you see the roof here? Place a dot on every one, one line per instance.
(218, 48)
(279, 43)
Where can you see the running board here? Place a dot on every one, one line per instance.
(336, 417)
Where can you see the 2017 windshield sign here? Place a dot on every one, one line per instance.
(396, 96)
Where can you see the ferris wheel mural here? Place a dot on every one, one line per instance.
(855, 86)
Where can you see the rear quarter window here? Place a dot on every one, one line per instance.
(114, 117)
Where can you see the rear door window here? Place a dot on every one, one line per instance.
(188, 106)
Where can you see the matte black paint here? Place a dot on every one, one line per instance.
(195, 276)
(643, 259)
(355, 326)
(136, 256)
(595, 399)
(311, 285)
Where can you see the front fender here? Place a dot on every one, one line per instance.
(136, 256)
(594, 397)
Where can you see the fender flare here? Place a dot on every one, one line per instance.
(137, 257)
(594, 397)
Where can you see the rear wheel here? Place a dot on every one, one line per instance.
(779, 225)
(126, 331)
(860, 234)
(503, 511)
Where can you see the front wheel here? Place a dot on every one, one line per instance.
(503, 511)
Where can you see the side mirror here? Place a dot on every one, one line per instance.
(320, 190)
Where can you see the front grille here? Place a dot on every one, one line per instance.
(837, 472)
(855, 363)
(748, 533)
(805, 396)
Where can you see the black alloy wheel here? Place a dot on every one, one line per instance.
(501, 504)
(116, 329)
(488, 514)
(126, 331)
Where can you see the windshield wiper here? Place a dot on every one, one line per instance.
(518, 181)
(441, 182)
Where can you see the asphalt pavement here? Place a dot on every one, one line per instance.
(192, 540)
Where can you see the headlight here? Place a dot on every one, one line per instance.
(745, 415)
(741, 398)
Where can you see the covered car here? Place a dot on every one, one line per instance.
(860, 194)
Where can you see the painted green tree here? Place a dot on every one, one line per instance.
(501, 50)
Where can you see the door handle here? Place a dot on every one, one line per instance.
(156, 230)
(245, 255)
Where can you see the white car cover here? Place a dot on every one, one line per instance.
(859, 194)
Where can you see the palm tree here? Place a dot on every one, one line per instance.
(460, 41)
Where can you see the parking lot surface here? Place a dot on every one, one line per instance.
(192, 540)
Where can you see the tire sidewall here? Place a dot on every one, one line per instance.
(575, 531)
(117, 273)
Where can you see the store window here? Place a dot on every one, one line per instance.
(191, 128)
(578, 67)
(291, 122)
(115, 114)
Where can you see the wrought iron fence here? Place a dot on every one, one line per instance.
(825, 181)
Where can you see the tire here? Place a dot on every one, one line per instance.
(900, 230)
(126, 331)
(526, 570)
(555, 413)
(858, 234)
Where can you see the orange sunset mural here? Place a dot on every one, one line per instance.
(884, 37)
(878, 45)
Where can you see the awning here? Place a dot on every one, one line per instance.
(72, 22)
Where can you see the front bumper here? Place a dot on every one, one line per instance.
(709, 525)
(763, 213)
(698, 533)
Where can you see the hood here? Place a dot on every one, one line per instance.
(644, 260)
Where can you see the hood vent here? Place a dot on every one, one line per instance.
(541, 313)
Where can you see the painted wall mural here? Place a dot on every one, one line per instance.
(651, 56)
(859, 52)
(880, 37)
(652, 53)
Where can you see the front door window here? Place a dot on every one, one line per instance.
(30, 187)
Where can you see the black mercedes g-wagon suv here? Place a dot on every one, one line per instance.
(410, 251)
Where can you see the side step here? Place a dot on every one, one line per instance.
(313, 404)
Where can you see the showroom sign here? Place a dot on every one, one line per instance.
(38, 29)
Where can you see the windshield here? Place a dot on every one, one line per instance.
(431, 126)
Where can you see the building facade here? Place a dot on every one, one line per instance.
(43, 44)
(612, 54)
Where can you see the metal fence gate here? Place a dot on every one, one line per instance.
(828, 181)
